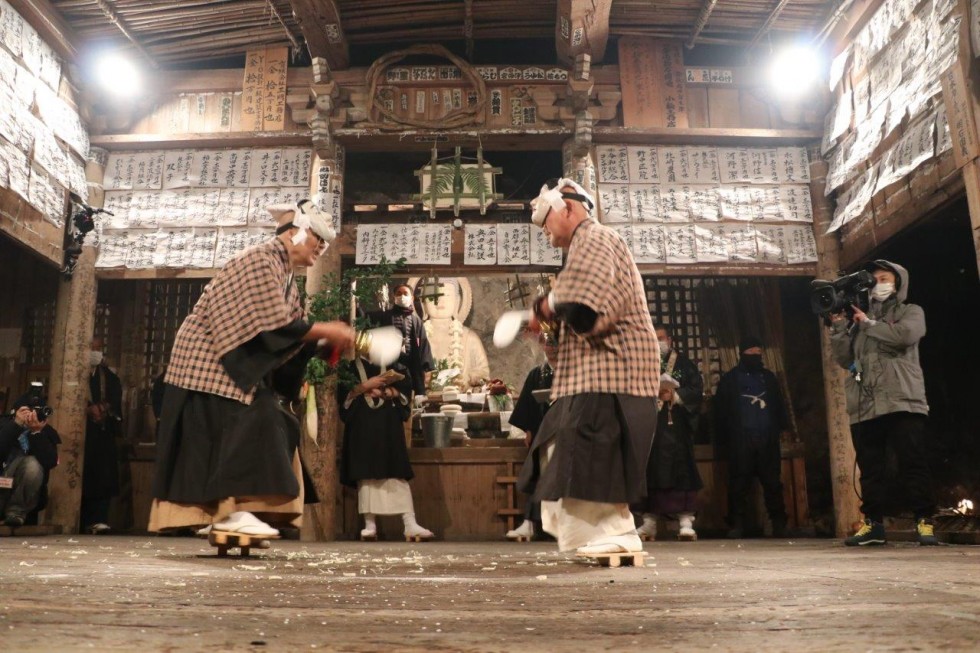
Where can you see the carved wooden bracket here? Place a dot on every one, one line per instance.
(580, 96)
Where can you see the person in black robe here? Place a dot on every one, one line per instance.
(227, 451)
(750, 420)
(374, 458)
(527, 416)
(673, 480)
(416, 355)
(100, 473)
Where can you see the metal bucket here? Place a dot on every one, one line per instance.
(436, 430)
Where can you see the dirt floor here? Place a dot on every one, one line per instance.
(61, 593)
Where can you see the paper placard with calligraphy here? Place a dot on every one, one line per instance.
(914, 148)
(178, 170)
(480, 244)
(705, 203)
(614, 203)
(295, 167)
(851, 203)
(771, 243)
(649, 244)
(801, 244)
(612, 164)
(741, 243)
(435, 245)
(47, 196)
(112, 250)
(675, 203)
(17, 168)
(542, 252)
(645, 203)
(265, 168)
(513, 244)
(141, 249)
(680, 244)
(710, 245)
(232, 242)
(644, 165)
(63, 120)
(383, 241)
(186, 248)
(12, 27)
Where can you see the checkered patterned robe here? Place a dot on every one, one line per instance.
(254, 292)
(621, 353)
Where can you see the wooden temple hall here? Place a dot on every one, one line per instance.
(740, 148)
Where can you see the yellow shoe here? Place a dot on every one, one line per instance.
(927, 536)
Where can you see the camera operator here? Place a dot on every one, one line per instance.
(28, 451)
(886, 400)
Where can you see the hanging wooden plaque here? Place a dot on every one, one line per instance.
(652, 77)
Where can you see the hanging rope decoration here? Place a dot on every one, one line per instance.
(465, 115)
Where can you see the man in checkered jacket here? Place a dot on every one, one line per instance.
(588, 462)
(227, 450)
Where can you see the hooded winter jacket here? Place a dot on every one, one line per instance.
(885, 352)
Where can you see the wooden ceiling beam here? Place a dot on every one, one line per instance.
(120, 23)
(705, 12)
(582, 27)
(319, 20)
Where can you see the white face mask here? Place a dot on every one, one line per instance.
(403, 300)
(94, 358)
(664, 346)
(882, 291)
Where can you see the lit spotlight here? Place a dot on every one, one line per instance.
(794, 71)
(118, 75)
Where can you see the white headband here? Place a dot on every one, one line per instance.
(306, 216)
(553, 198)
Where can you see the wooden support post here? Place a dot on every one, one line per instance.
(971, 179)
(846, 508)
(963, 122)
(322, 521)
(73, 328)
(577, 161)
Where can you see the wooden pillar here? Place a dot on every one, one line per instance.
(73, 329)
(846, 505)
(577, 164)
(963, 121)
(320, 520)
(971, 179)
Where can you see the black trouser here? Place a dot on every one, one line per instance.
(755, 457)
(904, 434)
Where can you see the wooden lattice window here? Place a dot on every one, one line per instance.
(39, 335)
(673, 304)
(167, 304)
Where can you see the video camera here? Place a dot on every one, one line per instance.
(83, 222)
(841, 295)
(38, 402)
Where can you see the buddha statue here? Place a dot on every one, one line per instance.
(449, 339)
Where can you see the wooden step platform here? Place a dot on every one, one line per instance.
(224, 540)
(631, 559)
(418, 538)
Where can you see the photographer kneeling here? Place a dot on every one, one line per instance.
(28, 450)
(886, 399)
